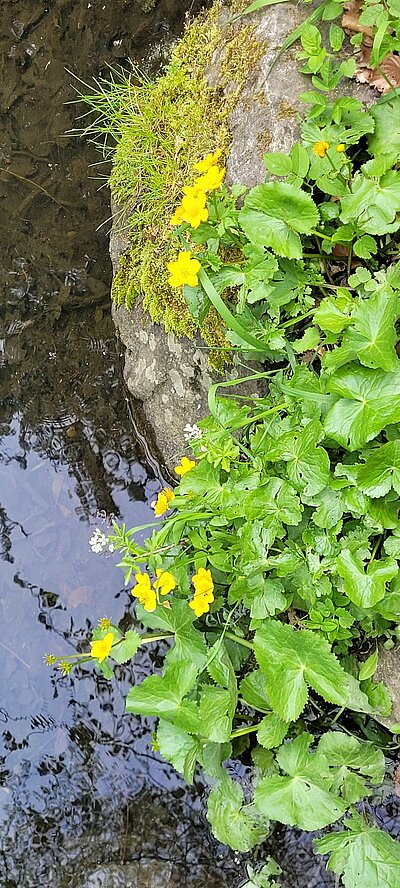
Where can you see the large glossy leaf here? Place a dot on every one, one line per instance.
(292, 661)
(381, 470)
(275, 214)
(308, 465)
(233, 823)
(365, 588)
(367, 401)
(372, 336)
(373, 203)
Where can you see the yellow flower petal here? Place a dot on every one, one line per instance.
(203, 582)
(165, 582)
(211, 180)
(101, 649)
(185, 466)
(183, 270)
(202, 166)
(163, 501)
(321, 148)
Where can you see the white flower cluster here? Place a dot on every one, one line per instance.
(99, 542)
(191, 432)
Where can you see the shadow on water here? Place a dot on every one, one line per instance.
(84, 802)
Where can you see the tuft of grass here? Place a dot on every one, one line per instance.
(155, 131)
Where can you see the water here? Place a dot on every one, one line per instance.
(82, 794)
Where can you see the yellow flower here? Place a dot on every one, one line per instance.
(203, 595)
(165, 582)
(195, 191)
(101, 649)
(105, 623)
(321, 148)
(341, 148)
(194, 209)
(162, 502)
(177, 217)
(65, 667)
(202, 166)
(185, 466)
(211, 180)
(50, 659)
(184, 270)
(144, 592)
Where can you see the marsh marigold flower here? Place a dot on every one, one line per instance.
(101, 649)
(321, 148)
(184, 270)
(202, 166)
(341, 148)
(194, 210)
(165, 582)
(185, 466)
(203, 592)
(144, 592)
(105, 623)
(211, 180)
(177, 217)
(162, 503)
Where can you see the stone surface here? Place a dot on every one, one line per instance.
(169, 378)
(388, 671)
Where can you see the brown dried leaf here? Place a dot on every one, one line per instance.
(390, 66)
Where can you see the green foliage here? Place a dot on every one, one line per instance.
(362, 855)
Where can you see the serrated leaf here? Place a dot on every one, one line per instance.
(373, 203)
(215, 714)
(372, 335)
(308, 466)
(178, 748)
(253, 690)
(126, 649)
(278, 163)
(352, 761)
(177, 619)
(293, 661)
(272, 731)
(234, 824)
(365, 588)
(274, 214)
(381, 470)
(302, 799)
(163, 695)
(363, 855)
(367, 401)
(368, 667)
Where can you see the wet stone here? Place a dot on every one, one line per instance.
(152, 874)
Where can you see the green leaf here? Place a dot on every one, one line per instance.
(274, 502)
(253, 690)
(367, 401)
(386, 136)
(363, 855)
(178, 748)
(292, 661)
(369, 666)
(336, 37)
(215, 714)
(308, 466)
(372, 336)
(163, 695)
(126, 649)
(278, 163)
(373, 203)
(272, 731)
(178, 619)
(381, 470)
(234, 824)
(302, 799)
(274, 214)
(365, 589)
(353, 762)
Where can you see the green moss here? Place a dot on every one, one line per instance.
(162, 128)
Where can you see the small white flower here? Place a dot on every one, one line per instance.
(192, 432)
(98, 541)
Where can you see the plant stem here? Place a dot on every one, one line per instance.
(240, 732)
(239, 640)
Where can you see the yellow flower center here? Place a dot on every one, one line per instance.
(321, 148)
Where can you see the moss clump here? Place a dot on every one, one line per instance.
(162, 127)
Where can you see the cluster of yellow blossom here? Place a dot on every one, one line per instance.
(193, 210)
(145, 592)
(203, 592)
(321, 148)
(162, 503)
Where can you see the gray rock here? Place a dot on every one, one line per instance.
(169, 378)
(388, 671)
(143, 874)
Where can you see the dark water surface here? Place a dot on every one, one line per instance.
(81, 792)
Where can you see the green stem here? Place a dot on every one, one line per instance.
(147, 639)
(240, 732)
(239, 640)
(319, 234)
